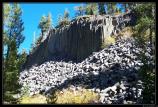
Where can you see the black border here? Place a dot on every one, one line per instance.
(69, 1)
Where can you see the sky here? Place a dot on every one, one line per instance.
(32, 13)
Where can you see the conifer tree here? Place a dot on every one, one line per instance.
(14, 32)
(91, 9)
(45, 23)
(80, 10)
(101, 8)
(42, 24)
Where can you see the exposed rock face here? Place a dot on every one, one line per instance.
(111, 72)
(79, 39)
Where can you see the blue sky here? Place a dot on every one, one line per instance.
(32, 13)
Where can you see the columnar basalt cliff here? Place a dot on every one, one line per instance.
(78, 40)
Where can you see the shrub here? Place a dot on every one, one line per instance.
(108, 41)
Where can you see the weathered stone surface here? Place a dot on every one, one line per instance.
(77, 40)
(114, 82)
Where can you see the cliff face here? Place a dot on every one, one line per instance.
(78, 40)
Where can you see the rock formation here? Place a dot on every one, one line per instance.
(78, 40)
(111, 72)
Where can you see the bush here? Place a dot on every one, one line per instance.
(108, 41)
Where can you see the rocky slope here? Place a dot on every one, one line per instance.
(78, 40)
(111, 72)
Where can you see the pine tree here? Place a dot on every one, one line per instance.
(49, 21)
(6, 12)
(45, 23)
(91, 9)
(111, 7)
(15, 26)
(63, 21)
(11, 73)
(101, 8)
(42, 24)
(66, 14)
(22, 59)
(144, 31)
(13, 30)
(79, 10)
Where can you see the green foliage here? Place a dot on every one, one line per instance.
(80, 10)
(25, 91)
(144, 31)
(8, 96)
(45, 23)
(12, 37)
(91, 9)
(15, 25)
(63, 21)
(6, 8)
(101, 8)
(11, 72)
(21, 59)
(147, 72)
(111, 8)
(36, 44)
(145, 25)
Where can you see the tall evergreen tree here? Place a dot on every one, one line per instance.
(111, 7)
(144, 32)
(80, 10)
(49, 21)
(91, 9)
(21, 59)
(15, 26)
(11, 71)
(45, 23)
(66, 14)
(64, 20)
(6, 12)
(13, 31)
(101, 8)
(42, 24)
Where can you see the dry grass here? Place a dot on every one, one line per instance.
(36, 99)
(126, 32)
(69, 96)
(108, 41)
